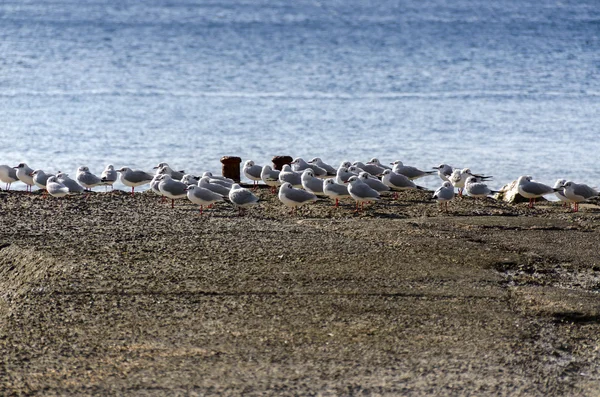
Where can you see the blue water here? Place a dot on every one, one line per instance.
(507, 88)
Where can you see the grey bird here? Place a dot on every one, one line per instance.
(310, 183)
(578, 192)
(532, 190)
(343, 175)
(40, 178)
(201, 196)
(109, 176)
(478, 189)
(372, 169)
(8, 175)
(299, 165)
(444, 171)
(335, 190)
(444, 194)
(173, 189)
(55, 188)
(408, 171)
(205, 183)
(189, 179)
(270, 177)
(252, 172)
(294, 198)
(71, 184)
(319, 163)
(211, 176)
(23, 172)
(288, 175)
(375, 161)
(242, 198)
(375, 184)
(86, 179)
(177, 175)
(560, 184)
(398, 182)
(134, 178)
(361, 192)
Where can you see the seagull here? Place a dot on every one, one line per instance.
(319, 163)
(408, 171)
(374, 183)
(71, 184)
(109, 176)
(444, 171)
(459, 177)
(560, 193)
(220, 177)
(252, 172)
(370, 168)
(398, 182)
(173, 189)
(270, 177)
(532, 190)
(24, 175)
(40, 178)
(55, 188)
(8, 175)
(361, 192)
(343, 175)
(299, 165)
(134, 178)
(288, 175)
(444, 194)
(478, 189)
(375, 161)
(242, 198)
(335, 190)
(201, 196)
(86, 179)
(310, 183)
(156, 180)
(578, 192)
(219, 189)
(189, 179)
(294, 197)
(169, 171)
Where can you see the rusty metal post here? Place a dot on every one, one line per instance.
(280, 161)
(231, 167)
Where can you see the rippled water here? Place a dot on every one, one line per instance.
(508, 88)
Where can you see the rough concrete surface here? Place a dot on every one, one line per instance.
(123, 295)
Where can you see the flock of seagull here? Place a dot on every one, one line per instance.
(299, 183)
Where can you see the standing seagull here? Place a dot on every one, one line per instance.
(24, 174)
(300, 165)
(444, 194)
(374, 183)
(398, 182)
(252, 172)
(444, 171)
(135, 178)
(560, 184)
(169, 171)
(478, 189)
(55, 188)
(170, 188)
(8, 175)
(319, 163)
(86, 178)
(335, 190)
(40, 178)
(361, 192)
(109, 176)
(201, 196)
(408, 171)
(532, 190)
(294, 197)
(215, 187)
(270, 177)
(577, 192)
(242, 198)
(288, 175)
(310, 183)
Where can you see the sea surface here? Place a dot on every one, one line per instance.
(507, 88)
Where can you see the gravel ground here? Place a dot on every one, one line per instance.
(124, 295)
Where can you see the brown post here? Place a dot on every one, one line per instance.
(231, 167)
(280, 161)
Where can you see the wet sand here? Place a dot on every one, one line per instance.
(122, 295)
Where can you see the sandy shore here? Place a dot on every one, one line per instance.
(122, 295)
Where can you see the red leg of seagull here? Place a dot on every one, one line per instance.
(576, 209)
(336, 202)
(362, 206)
(201, 209)
(132, 191)
(172, 203)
